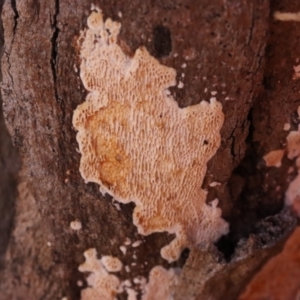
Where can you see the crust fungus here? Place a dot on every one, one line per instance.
(273, 158)
(111, 264)
(292, 195)
(140, 146)
(102, 285)
(161, 284)
(76, 225)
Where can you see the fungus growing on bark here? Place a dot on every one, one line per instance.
(161, 284)
(101, 284)
(139, 146)
(292, 195)
(111, 264)
(273, 158)
(76, 225)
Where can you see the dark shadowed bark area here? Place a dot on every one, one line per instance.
(231, 47)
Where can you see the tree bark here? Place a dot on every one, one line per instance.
(230, 47)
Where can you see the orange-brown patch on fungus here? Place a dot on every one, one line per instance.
(273, 158)
(139, 146)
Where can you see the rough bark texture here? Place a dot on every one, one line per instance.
(223, 45)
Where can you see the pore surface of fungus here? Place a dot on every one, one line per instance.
(111, 264)
(139, 146)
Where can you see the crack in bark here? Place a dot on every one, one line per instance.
(16, 17)
(7, 53)
(8, 69)
(53, 59)
(251, 28)
(9, 166)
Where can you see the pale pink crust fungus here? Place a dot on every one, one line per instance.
(139, 146)
(293, 144)
(76, 225)
(111, 264)
(161, 284)
(273, 158)
(292, 195)
(102, 285)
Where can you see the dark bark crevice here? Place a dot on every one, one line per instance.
(9, 166)
(53, 60)
(16, 16)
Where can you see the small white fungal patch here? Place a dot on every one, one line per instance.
(287, 16)
(79, 283)
(297, 72)
(64, 298)
(298, 111)
(120, 14)
(213, 184)
(140, 146)
(95, 8)
(127, 269)
(126, 283)
(136, 280)
(123, 249)
(101, 284)
(116, 204)
(131, 294)
(286, 126)
(136, 243)
(76, 225)
(75, 68)
(229, 98)
(183, 65)
(180, 85)
(127, 241)
(214, 93)
(293, 144)
(274, 158)
(48, 244)
(175, 54)
(292, 195)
